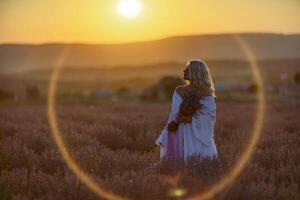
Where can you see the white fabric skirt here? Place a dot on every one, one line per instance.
(189, 144)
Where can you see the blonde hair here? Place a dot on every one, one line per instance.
(200, 76)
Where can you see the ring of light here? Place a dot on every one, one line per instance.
(226, 181)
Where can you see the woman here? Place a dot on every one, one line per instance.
(194, 135)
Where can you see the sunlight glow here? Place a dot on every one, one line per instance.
(129, 8)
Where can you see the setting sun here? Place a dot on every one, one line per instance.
(129, 8)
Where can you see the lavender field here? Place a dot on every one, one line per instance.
(114, 144)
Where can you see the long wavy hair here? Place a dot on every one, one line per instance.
(199, 75)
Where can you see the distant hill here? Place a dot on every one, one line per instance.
(24, 57)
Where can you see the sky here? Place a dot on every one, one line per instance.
(98, 21)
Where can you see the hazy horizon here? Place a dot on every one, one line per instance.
(140, 41)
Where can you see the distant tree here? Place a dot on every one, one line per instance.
(169, 83)
(32, 92)
(150, 93)
(122, 91)
(163, 89)
(297, 77)
(6, 95)
(253, 88)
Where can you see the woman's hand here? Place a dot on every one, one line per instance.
(183, 119)
(172, 127)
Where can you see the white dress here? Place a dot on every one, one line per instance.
(196, 137)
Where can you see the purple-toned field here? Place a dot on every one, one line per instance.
(115, 145)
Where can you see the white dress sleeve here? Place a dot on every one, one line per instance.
(162, 139)
(203, 123)
(174, 107)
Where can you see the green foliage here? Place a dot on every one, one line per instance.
(253, 88)
(168, 84)
(163, 89)
(4, 194)
(123, 92)
(297, 77)
(32, 92)
(6, 95)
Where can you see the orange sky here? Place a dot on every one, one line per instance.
(97, 21)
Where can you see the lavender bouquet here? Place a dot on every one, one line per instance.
(188, 108)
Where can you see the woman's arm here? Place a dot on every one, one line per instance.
(172, 126)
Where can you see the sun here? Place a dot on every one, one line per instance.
(129, 8)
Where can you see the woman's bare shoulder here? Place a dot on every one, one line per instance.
(181, 89)
(184, 89)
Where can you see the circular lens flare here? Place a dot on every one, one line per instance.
(227, 179)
